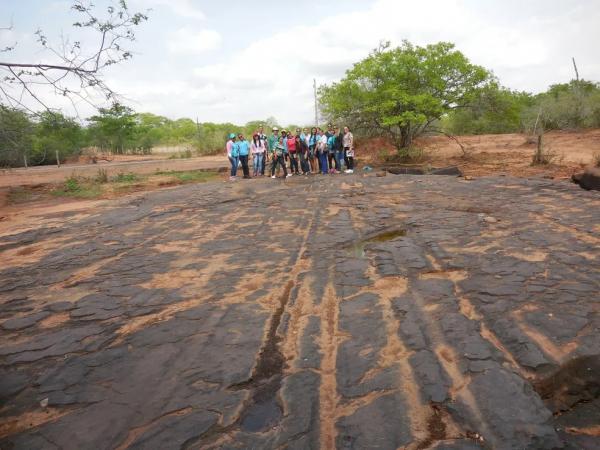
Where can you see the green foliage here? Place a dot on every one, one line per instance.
(401, 92)
(16, 134)
(570, 105)
(113, 128)
(56, 133)
(492, 110)
(126, 178)
(71, 184)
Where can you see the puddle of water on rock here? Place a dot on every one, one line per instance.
(261, 416)
(357, 250)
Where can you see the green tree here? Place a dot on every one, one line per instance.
(16, 131)
(570, 105)
(493, 109)
(55, 133)
(113, 128)
(402, 92)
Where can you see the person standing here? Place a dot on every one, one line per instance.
(348, 142)
(291, 144)
(244, 152)
(233, 155)
(339, 149)
(277, 157)
(258, 149)
(272, 144)
(302, 150)
(331, 156)
(312, 148)
(322, 151)
(263, 137)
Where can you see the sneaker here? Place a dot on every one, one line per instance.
(349, 171)
(288, 175)
(272, 176)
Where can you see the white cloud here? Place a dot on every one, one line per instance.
(187, 41)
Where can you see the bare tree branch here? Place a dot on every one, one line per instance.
(74, 71)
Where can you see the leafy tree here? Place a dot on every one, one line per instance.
(16, 132)
(570, 105)
(113, 128)
(55, 133)
(402, 92)
(493, 109)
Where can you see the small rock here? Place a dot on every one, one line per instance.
(490, 219)
(468, 178)
(44, 403)
(381, 174)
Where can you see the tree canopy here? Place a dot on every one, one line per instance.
(401, 92)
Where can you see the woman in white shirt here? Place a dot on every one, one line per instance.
(258, 149)
(348, 142)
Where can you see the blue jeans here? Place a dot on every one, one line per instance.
(323, 160)
(339, 156)
(258, 162)
(234, 160)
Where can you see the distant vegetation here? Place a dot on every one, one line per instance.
(399, 93)
(408, 91)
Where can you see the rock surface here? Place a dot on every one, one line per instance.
(322, 312)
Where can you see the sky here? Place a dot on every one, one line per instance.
(237, 61)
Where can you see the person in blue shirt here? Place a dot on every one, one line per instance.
(331, 154)
(233, 154)
(244, 151)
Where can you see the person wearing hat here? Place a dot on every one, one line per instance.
(278, 152)
(273, 143)
(233, 154)
(244, 151)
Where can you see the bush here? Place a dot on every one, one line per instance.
(126, 178)
(72, 184)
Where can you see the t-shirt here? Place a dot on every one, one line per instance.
(257, 148)
(244, 148)
(291, 144)
(228, 147)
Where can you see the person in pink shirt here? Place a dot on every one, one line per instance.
(291, 144)
(258, 149)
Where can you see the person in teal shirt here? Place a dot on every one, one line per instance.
(279, 149)
(244, 151)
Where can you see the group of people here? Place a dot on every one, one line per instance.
(306, 152)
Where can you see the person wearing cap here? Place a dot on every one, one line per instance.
(258, 148)
(244, 151)
(272, 143)
(233, 154)
(277, 155)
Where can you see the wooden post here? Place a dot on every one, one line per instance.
(25, 159)
(57, 159)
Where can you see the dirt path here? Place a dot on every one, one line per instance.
(405, 312)
(53, 174)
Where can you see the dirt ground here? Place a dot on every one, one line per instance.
(349, 312)
(121, 164)
(508, 154)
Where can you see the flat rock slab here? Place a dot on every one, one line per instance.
(324, 312)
